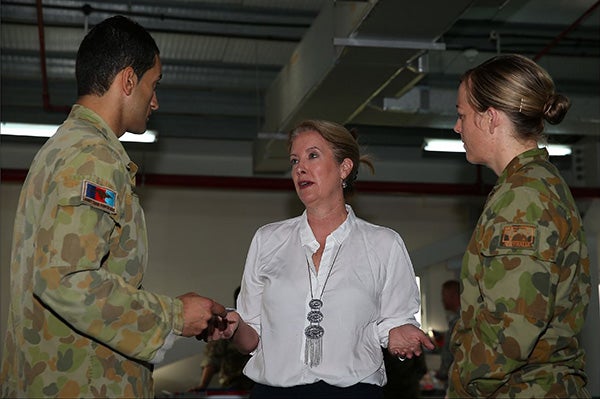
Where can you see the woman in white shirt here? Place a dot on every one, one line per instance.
(324, 291)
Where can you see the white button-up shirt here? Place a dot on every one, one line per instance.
(371, 289)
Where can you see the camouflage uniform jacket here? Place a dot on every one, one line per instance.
(525, 290)
(79, 324)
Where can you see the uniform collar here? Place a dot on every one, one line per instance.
(81, 112)
(518, 162)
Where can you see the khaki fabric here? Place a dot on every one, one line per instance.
(525, 290)
(80, 324)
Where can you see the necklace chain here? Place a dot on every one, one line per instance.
(326, 278)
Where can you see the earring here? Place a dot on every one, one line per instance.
(344, 184)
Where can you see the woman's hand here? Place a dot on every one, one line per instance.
(232, 327)
(225, 327)
(405, 341)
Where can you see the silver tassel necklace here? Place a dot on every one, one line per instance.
(313, 348)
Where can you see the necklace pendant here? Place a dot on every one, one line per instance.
(314, 316)
(315, 304)
(313, 347)
(314, 332)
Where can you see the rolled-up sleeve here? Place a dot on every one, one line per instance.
(400, 299)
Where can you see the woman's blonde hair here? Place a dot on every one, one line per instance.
(521, 88)
(343, 143)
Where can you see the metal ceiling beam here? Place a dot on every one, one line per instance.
(387, 43)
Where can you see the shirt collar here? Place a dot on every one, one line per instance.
(307, 237)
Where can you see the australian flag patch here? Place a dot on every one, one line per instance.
(99, 196)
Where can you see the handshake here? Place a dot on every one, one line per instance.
(205, 319)
(218, 323)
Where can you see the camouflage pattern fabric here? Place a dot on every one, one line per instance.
(229, 362)
(525, 290)
(79, 324)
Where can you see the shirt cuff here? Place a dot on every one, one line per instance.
(160, 354)
(176, 331)
(384, 328)
(177, 315)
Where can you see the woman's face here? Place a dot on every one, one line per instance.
(473, 130)
(316, 174)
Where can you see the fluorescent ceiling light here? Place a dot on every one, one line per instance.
(558, 150)
(35, 130)
(149, 136)
(447, 145)
(443, 145)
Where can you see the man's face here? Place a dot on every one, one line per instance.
(144, 99)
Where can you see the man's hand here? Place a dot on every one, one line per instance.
(198, 311)
(405, 341)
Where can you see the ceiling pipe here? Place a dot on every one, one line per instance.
(161, 13)
(562, 34)
(48, 106)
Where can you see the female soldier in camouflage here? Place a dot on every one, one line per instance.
(525, 274)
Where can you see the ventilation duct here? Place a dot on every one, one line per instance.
(355, 53)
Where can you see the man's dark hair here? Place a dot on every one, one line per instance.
(453, 285)
(109, 47)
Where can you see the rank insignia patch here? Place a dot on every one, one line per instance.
(99, 196)
(518, 236)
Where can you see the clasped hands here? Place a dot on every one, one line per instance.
(222, 327)
(204, 318)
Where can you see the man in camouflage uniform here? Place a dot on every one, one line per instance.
(525, 290)
(79, 324)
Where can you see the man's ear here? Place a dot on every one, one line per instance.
(128, 80)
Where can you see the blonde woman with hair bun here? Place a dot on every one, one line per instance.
(525, 275)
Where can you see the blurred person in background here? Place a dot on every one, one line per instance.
(451, 302)
(221, 358)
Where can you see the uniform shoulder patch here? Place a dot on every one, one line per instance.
(99, 196)
(518, 236)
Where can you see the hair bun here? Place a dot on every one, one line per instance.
(556, 108)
